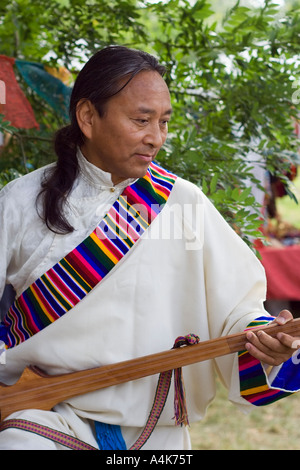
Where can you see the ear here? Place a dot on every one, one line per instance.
(85, 114)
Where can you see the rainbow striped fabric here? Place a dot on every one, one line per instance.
(73, 277)
(253, 384)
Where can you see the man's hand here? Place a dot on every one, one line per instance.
(273, 351)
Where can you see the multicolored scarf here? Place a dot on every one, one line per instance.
(58, 290)
(253, 383)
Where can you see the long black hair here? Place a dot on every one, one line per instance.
(98, 81)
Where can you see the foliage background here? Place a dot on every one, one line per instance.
(233, 73)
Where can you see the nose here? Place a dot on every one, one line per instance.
(155, 135)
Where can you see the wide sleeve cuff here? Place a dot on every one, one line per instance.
(259, 387)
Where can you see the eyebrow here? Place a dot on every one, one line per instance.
(152, 111)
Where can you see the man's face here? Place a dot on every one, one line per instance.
(133, 128)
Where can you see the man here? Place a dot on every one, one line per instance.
(112, 258)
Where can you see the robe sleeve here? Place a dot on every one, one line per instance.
(235, 293)
(260, 388)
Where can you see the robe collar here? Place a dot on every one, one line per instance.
(97, 177)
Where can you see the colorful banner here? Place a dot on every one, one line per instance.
(14, 105)
(43, 81)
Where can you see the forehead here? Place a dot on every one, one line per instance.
(147, 90)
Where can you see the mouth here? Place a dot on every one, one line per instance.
(145, 157)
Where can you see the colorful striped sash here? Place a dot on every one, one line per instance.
(73, 277)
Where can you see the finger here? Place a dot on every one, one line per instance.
(273, 345)
(261, 356)
(288, 341)
(265, 343)
(283, 317)
(267, 349)
(255, 347)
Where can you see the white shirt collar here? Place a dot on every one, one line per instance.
(97, 177)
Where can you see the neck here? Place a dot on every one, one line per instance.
(115, 179)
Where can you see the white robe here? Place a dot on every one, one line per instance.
(189, 273)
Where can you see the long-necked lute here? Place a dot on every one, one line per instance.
(38, 390)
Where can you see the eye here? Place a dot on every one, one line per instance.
(142, 121)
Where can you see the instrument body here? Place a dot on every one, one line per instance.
(37, 390)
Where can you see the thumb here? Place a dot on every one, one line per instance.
(283, 317)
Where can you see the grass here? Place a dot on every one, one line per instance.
(225, 427)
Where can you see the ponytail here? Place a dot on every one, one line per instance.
(58, 182)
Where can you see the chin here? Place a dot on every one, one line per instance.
(135, 171)
(140, 171)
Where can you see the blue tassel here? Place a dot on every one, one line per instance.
(109, 436)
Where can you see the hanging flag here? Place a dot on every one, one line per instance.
(14, 105)
(46, 85)
(61, 73)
